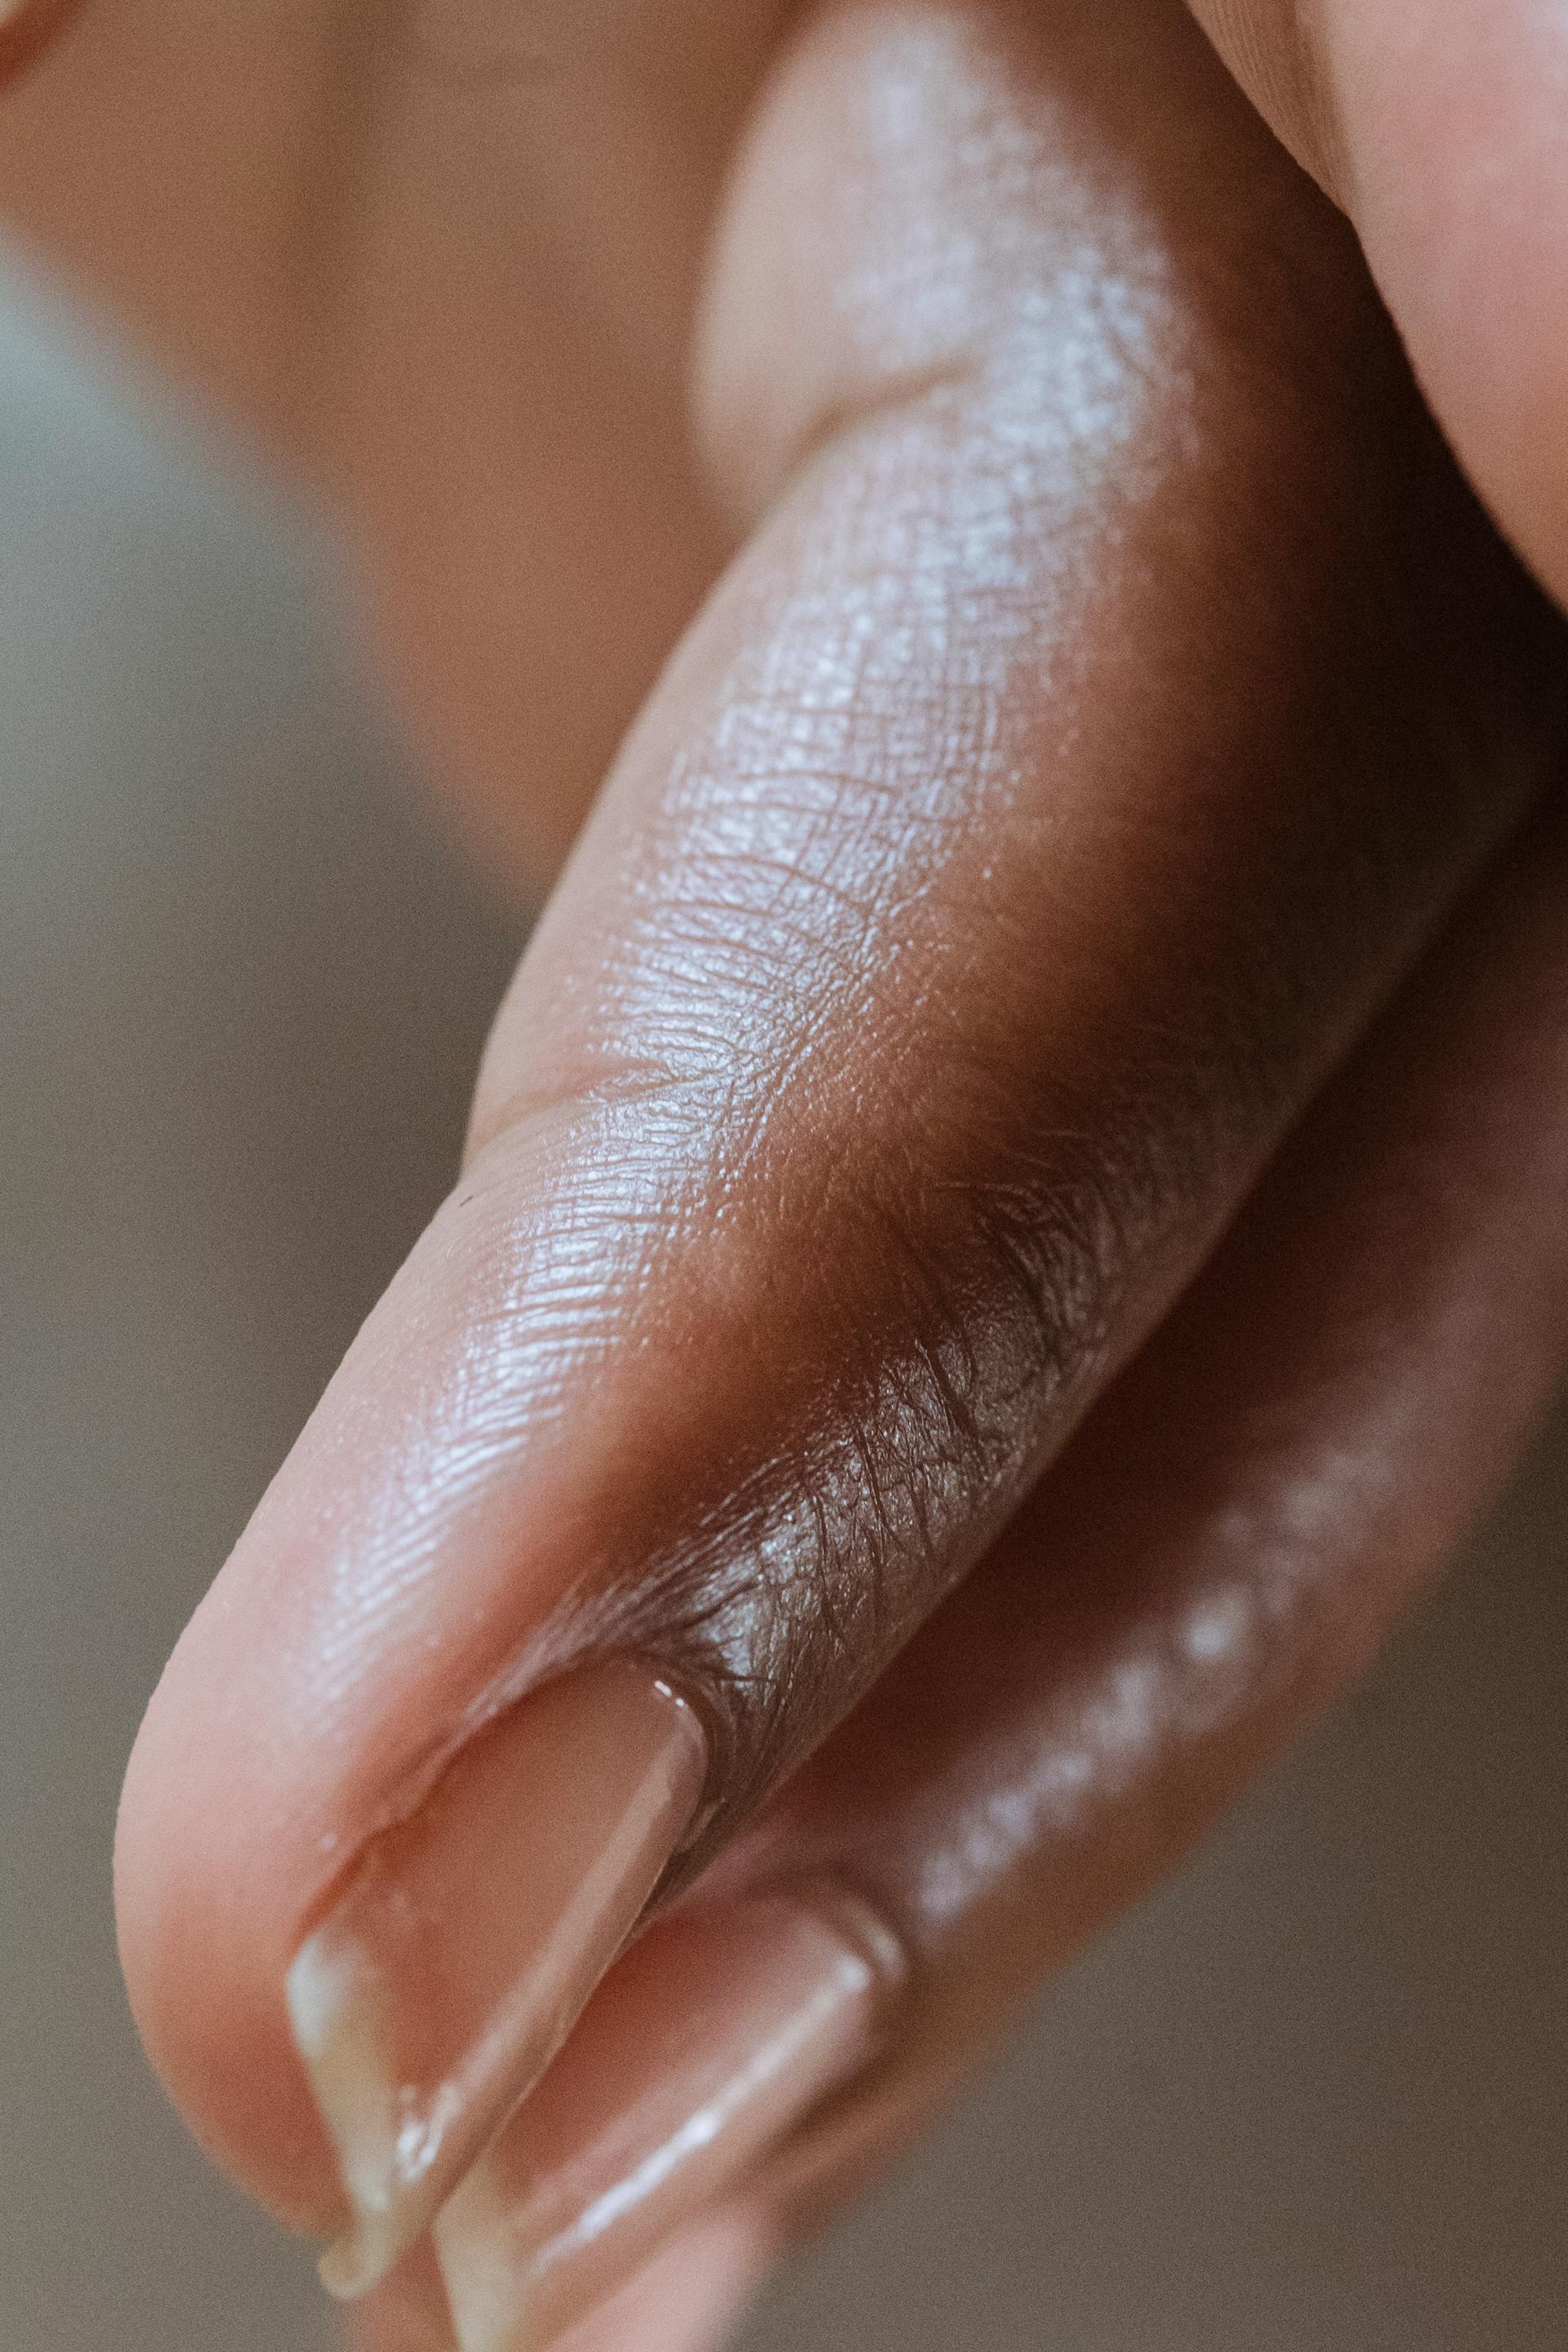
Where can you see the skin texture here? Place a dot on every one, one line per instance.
(1225, 1543)
(958, 1266)
(827, 1159)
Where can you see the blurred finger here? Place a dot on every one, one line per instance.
(438, 263)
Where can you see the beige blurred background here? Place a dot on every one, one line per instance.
(1312, 2099)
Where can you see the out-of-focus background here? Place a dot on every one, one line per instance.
(1315, 2098)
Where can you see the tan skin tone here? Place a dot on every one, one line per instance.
(1060, 1100)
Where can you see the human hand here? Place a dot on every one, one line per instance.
(960, 1272)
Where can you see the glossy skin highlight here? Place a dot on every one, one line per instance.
(827, 1160)
(1013, 1212)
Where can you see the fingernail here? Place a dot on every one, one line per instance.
(715, 2037)
(449, 1971)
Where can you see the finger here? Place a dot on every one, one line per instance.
(439, 262)
(229, 186)
(1225, 1545)
(507, 423)
(1437, 124)
(1023, 832)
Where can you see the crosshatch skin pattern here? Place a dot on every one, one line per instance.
(1309, 2099)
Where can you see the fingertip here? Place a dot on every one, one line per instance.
(210, 1880)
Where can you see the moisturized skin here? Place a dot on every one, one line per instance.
(959, 1274)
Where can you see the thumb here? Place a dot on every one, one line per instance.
(1437, 124)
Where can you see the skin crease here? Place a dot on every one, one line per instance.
(827, 1165)
(1118, 698)
(1138, 1642)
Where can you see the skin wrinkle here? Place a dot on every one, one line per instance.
(659, 1377)
(693, 991)
(968, 273)
(1292, 1530)
(991, 427)
(651, 970)
(1274, 1572)
(981, 556)
(772, 1558)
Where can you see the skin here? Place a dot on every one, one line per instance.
(1437, 124)
(1018, 1191)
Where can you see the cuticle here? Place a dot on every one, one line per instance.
(419, 1781)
